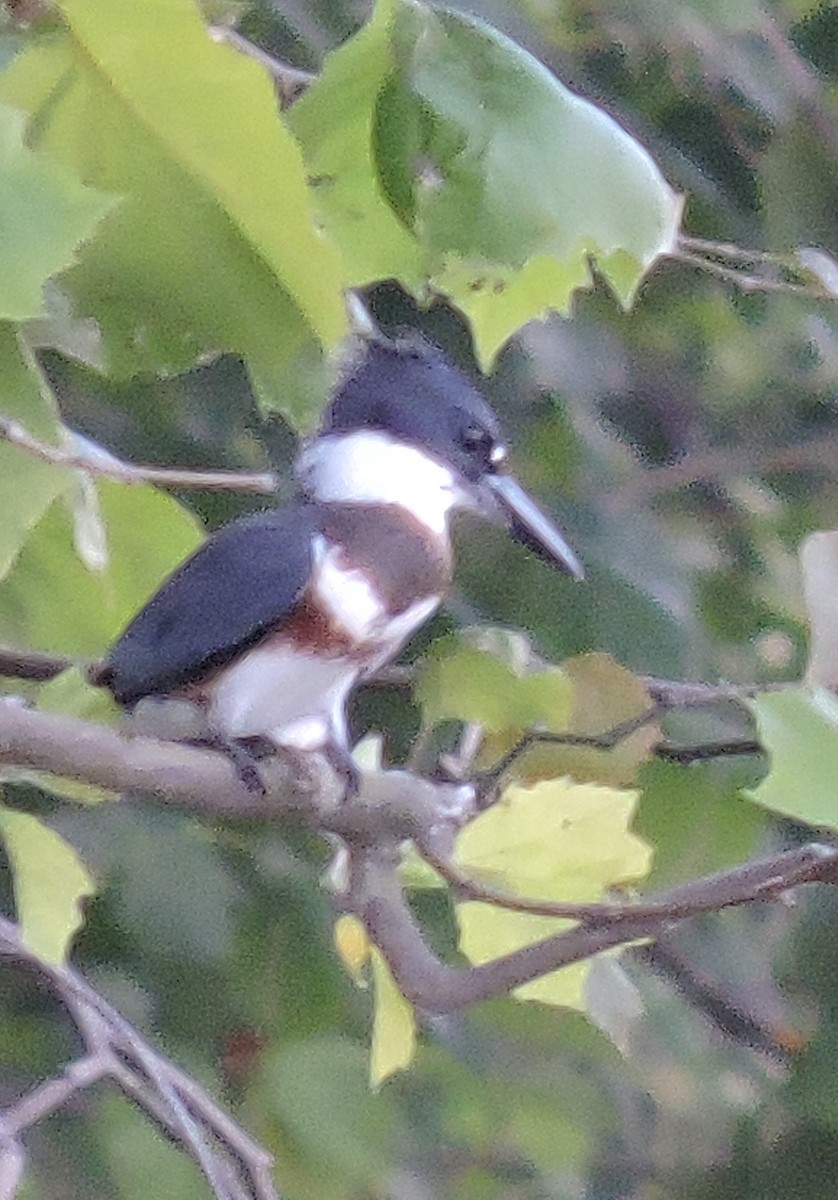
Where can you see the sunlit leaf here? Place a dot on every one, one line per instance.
(50, 883)
(47, 213)
(353, 945)
(554, 841)
(799, 729)
(143, 104)
(394, 1026)
(214, 111)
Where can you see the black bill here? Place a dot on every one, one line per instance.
(532, 527)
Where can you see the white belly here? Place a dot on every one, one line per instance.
(298, 698)
(293, 698)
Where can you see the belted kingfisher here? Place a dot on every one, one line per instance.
(278, 615)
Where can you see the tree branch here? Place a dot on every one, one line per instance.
(31, 664)
(706, 751)
(235, 1166)
(376, 897)
(752, 283)
(204, 781)
(107, 466)
(391, 806)
(675, 693)
(818, 453)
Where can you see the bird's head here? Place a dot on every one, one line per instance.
(408, 428)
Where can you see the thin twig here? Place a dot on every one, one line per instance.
(53, 1094)
(290, 82)
(808, 87)
(607, 740)
(107, 466)
(745, 1013)
(820, 453)
(32, 665)
(377, 899)
(744, 254)
(752, 283)
(707, 751)
(235, 1166)
(677, 694)
(689, 901)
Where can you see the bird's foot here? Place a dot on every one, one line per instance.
(245, 754)
(343, 764)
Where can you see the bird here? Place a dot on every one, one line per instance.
(269, 626)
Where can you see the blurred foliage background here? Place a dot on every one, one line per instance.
(688, 445)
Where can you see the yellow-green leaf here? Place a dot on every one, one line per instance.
(141, 103)
(394, 1026)
(50, 883)
(353, 945)
(460, 681)
(499, 300)
(554, 841)
(214, 110)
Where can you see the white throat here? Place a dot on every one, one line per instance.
(371, 467)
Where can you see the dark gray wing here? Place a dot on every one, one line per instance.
(238, 586)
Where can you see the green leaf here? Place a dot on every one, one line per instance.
(50, 882)
(27, 486)
(394, 1026)
(446, 156)
(335, 123)
(605, 695)
(554, 841)
(52, 601)
(698, 820)
(799, 729)
(463, 682)
(213, 247)
(46, 214)
(498, 300)
(523, 168)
